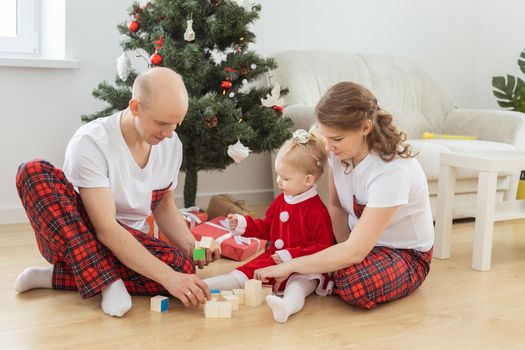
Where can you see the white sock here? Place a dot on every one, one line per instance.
(116, 300)
(229, 281)
(34, 277)
(293, 301)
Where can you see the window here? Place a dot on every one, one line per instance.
(19, 30)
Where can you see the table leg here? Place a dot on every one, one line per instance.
(484, 228)
(445, 207)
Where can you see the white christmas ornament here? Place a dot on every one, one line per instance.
(238, 152)
(284, 216)
(123, 66)
(245, 87)
(217, 55)
(279, 244)
(273, 99)
(189, 34)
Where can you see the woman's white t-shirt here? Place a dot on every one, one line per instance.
(380, 184)
(98, 156)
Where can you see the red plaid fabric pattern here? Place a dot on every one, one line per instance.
(384, 275)
(157, 196)
(358, 208)
(66, 238)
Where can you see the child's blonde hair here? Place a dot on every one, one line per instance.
(305, 151)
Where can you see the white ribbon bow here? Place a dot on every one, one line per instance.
(239, 240)
(189, 216)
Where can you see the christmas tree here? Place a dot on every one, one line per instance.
(207, 42)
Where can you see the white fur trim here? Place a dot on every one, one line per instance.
(241, 225)
(284, 254)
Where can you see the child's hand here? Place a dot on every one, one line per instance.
(277, 259)
(232, 219)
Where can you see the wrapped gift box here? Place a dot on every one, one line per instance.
(192, 216)
(237, 248)
(224, 204)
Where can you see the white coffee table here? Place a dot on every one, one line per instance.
(486, 212)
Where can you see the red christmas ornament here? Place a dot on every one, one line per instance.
(277, 108)
(156, 59)
(133, 26)
(225, 84)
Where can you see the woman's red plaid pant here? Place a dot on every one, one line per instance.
(66, 238)
(384, 275)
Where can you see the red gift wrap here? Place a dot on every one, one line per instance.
(192, 218)
(237, 248)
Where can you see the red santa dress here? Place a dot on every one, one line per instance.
(294, 226)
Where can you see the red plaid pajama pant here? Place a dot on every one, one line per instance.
(66, 237)
(385, 274)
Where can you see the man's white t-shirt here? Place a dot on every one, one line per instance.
(380, 184)
(98, 156)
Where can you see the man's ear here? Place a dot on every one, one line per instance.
(134, 106)
(309, 180)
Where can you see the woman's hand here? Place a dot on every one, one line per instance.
(279, 272)
(232, 219)
(277, 259)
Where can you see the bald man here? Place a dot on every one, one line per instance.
(90, 218)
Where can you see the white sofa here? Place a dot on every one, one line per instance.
(417, 102)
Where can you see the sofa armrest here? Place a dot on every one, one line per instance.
(303, 117)
(488, 125)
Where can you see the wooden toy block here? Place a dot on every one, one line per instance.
(208, 242)
(159, 303)
(225, 309)
(267, 289)
(253, 292)
(199, 254)
(225, 293)
(234, 300)
(197, 244)
(239, 293)
(215, 293)
(211, 309)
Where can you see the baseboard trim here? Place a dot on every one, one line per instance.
(13, 216)
(265, 196)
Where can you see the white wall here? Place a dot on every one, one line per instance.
(462, 43)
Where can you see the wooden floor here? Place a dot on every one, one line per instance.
(456, 308)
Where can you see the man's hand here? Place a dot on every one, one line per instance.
(211, 256)
(232, 219)
(188, 288)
